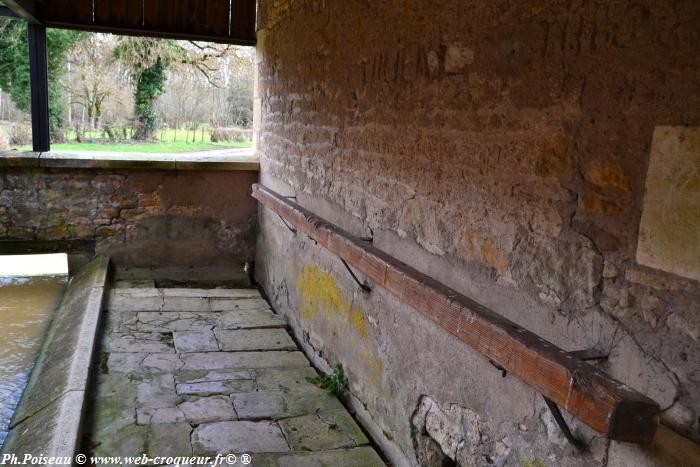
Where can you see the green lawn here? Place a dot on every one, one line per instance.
(168, 142)
(158, 147)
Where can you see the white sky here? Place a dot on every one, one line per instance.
(34, 265)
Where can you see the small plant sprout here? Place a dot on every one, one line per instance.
(335, 382)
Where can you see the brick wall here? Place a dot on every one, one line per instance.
(502, 148)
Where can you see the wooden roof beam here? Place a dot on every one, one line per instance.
(24, 9)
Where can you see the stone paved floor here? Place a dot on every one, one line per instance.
(206, 372)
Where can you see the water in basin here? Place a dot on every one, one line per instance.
(26, 304)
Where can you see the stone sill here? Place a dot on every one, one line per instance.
(220, 160)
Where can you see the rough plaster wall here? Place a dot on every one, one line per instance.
(502, 148)
(139, 218)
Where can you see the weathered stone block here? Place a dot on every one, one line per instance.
(208, 388)
(283, 379)
(276, 405)
(244, 303)
(176, 321)
(236, 360)
(356, 457)
(254, 339)
(212, 293)
(246, 319)
(196, 341)
(158, 392)
(565, 271)
(239, 436)
(191, 304)
(208, 409)
(203, 376)
(141, 343)
(322, 432)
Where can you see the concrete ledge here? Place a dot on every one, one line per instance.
(232, 160)
(48, 418)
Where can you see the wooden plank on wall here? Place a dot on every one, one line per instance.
(119, 13)
(243, 14)
(69, 12)
(207, 20)
(606, 405)
(190, 17)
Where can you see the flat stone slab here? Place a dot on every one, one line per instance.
(134, 284)
(250, 319)
(323, 431)
(195, 341)
(357, 457)
(238, 437)
(285, 379)
(176, 321)
(212, 293)
(208, 409)
(204, 376)
(215, 387)
(230, 304)
(152, 440)
(213, 371)
(254, 339)
(275, 405)
(234, 360)
(186, 304)
(131, 303)
(195, 411)
(142, 342)
(157, 392)
(154, 300)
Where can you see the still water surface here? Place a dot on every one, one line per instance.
(25, 309)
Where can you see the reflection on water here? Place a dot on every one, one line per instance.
(25, 309)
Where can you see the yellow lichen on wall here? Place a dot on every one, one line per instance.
(322, 295)
(324, 306)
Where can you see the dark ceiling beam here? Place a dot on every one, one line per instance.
(4, 11)
(25, 9)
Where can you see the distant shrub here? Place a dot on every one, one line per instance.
(231, 135)
(4, 140)
(20, 134)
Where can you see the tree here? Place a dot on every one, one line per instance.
(92, 78)
(14, 67)
(149, 60)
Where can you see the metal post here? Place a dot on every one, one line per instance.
(39, 78)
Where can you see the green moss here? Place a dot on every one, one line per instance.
(533, 463)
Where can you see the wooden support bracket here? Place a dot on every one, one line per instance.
(606, 405)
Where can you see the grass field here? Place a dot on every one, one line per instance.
(168, 142)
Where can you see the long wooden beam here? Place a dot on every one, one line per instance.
(606, 405)
(25, 9)
(4, 11)
(224, 21)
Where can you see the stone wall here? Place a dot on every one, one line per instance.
(137, 217)
(502, 148)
